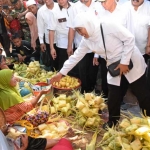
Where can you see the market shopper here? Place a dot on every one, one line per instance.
(116, 13)
(11, 102)
(120, 45)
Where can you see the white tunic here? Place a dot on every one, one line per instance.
(141, 19)
(58, 24)
(43, 17)
(115, 36)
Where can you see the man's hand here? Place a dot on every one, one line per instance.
(20, 58)
(123, 69)
(148, 50)
(69, 51)
(43, 47)
(95, 61)
(53, 53)
(56, 78)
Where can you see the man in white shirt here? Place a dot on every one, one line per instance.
(58, 25)
(141, 17)
(87, 71)
(43, 17)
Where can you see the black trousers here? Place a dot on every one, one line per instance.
(87, 73)
(5, 41)
(115, 95)
(146, 57)
(62, 56)
(104, 77)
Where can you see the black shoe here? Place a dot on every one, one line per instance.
(109, 124)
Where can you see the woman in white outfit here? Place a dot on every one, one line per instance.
(120, 45)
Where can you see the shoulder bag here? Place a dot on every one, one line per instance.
(111, 67)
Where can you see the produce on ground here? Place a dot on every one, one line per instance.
(33, 72)
(130, 134)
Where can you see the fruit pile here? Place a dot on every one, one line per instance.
(67, 82)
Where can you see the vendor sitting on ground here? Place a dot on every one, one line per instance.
(11, 102)
(22, 50)
(29, 143)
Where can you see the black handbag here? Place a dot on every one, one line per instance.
(111, 67)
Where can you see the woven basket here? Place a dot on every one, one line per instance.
(2, 119)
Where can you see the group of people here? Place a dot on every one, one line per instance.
(77, 38)
(14, 107)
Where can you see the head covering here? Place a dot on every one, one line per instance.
(88, 21)
(14, 1)
(9, 96)
(33, 28)
(30, 2)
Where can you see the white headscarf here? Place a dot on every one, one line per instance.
(30, 2)
(90, 23)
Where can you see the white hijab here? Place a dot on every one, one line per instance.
(90, 23)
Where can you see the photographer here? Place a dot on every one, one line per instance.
(4, 38)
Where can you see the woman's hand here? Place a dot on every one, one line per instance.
(123, 69)
(53, 53)
(24, 140)
(56, 78)
(45, 91)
